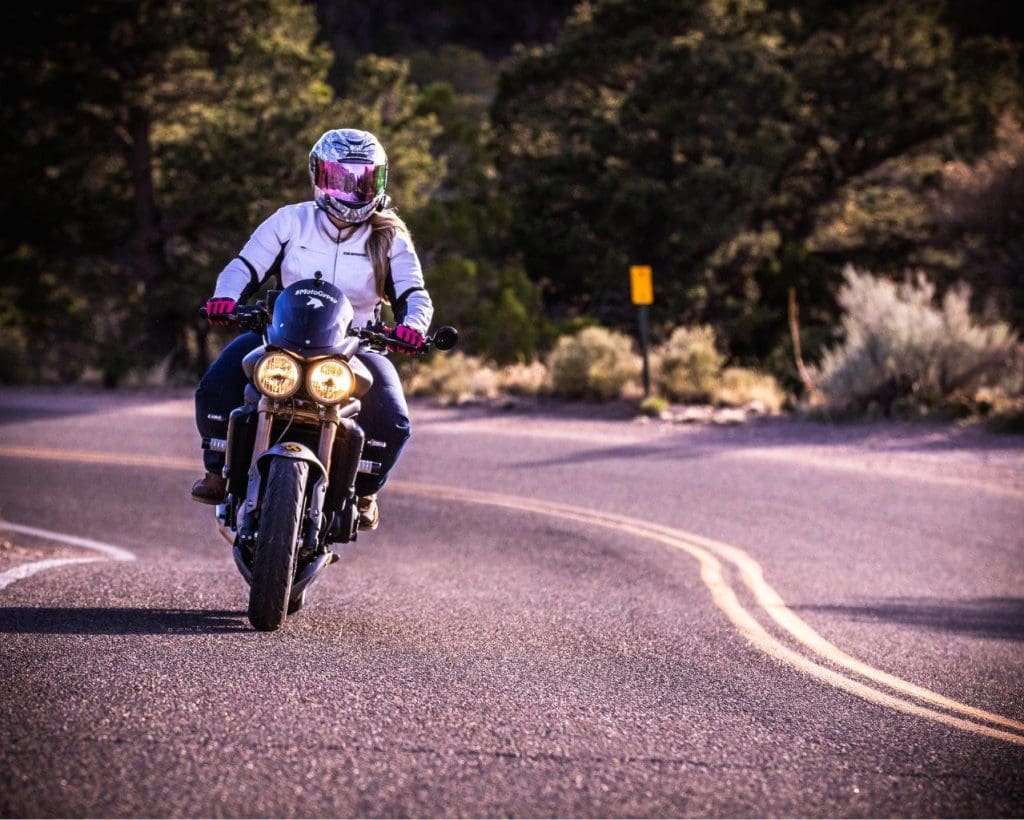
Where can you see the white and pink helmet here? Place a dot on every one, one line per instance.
(349, 172)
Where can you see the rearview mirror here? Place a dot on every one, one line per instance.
(446, 338)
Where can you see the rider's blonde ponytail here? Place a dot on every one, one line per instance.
(384, 226)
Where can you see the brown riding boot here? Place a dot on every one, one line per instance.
(210, 489)
(369, 512)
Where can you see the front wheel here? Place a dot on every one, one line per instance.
(274, 563)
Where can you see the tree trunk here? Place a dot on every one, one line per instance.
(794, 332)
(150, 266)
(147, 248)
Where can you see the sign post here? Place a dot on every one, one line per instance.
(641, 287)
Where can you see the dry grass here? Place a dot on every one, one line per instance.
(453, 379)
(740, 387)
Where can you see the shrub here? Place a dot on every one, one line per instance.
(739, 387)
(1003, 405)
(524, 379)
(903, 354)
(653, 406)
(689, 364)
(453, 379)
(458, 379)
(596, 363)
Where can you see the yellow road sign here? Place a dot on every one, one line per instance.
(641, 284)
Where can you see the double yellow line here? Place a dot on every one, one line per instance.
(716, 578)
(713, 557)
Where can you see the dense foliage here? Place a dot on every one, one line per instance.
(747, 150)
(146, 140)
(743, 152)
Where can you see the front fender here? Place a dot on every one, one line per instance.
(258, 475)
(294, 451)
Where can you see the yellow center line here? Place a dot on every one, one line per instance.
(725, 599)
(96, 457)
(771, 602)
(714, 577)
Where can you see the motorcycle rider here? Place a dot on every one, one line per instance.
(354, 238)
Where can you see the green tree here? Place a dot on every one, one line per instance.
(647, 134)
(143, 143)
(713, 140)
(474, 273)
(981, 221)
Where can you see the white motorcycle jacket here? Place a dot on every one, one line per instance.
(298, 240)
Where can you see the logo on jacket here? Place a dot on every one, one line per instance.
(315, 303)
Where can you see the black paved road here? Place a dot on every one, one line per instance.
(516, 657)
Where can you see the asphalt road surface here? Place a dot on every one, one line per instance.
(558, 616)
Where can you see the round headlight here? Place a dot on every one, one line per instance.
(330, 381)
(277, 375)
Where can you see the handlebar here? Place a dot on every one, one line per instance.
(377, 337)
(381, 337)
(247, 317)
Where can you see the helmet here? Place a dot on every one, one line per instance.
(349, 172)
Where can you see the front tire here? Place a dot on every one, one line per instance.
(274, 563)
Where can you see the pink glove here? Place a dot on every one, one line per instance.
(218, 309)
(410, 337)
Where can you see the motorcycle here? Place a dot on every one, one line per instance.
(295, 446)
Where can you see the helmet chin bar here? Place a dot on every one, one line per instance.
(345, 212)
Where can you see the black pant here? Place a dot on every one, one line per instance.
(384, 415)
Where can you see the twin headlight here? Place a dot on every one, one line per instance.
(329, 381)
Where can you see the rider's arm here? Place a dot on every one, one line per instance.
(409, 298)
(244, 274)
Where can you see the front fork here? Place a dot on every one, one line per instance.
(329, 420)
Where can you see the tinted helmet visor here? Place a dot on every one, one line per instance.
(355, 183)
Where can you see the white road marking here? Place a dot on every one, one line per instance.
(25, 570)
(109, 550)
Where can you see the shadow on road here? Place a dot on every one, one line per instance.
(1001, 618)
(701, 442)
(20, 405)
(119, 621)
(20, 415)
